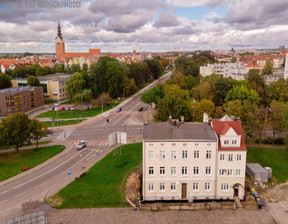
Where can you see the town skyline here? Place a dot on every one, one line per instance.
(154, 26)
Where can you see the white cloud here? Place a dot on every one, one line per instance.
(187, 3)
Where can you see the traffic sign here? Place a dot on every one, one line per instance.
(69, 173)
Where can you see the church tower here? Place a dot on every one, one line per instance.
(59, 43)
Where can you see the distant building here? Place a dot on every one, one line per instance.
(20, 99)
(286, 68)
(281, 48)
(233, 70)
(60, 48)
(53, 85)
(193, 161)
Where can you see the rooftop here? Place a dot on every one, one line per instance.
(164, 131)
(18, 89)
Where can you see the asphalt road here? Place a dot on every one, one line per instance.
(50, 177)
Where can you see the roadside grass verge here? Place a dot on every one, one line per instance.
(63, 122)
(76, 113)
(12, 147)
(104, 184)
(11, 163)
(275, 158)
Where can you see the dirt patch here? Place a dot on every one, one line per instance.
(54, 201)
(133, 185)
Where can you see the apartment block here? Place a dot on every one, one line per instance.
(20, 99)
(193, 161)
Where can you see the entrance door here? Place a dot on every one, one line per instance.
(184, 190)
(236, 192)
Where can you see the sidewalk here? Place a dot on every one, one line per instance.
(28, 147)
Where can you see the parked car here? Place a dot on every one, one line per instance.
(56, 108)
(48, 131)
(51, 109)
(68, 108)
(85, 104)
(146, 108)
(57, 104)
(62, 108)
(72, 108)
(140, 109)
(119, 109)
(81, 145)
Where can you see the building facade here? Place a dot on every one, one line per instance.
(184, 162)
(20, 99)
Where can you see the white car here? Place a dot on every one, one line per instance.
(72, 108)
(56, 108)
(57, 104)
(81, 145)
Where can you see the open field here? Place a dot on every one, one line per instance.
(275, 158)
(11, 163)
(104, 184)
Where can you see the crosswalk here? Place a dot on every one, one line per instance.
(92, 143)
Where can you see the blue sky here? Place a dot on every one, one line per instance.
(151, 25)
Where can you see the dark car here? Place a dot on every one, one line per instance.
(68, 108)
(48, 131)
(51, 109)
(141, 109)
(119, 109)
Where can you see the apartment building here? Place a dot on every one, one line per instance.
(234, 70)
(193, 161)
(20, 99)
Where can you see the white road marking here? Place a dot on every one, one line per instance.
(18, 195)
(46, 172)
(4, 192)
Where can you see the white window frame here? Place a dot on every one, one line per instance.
(162, 170)
(173, 187)
(225, 186)
(229, 172)
(238, 172)
(197, 154)
(207, 186)
(195, 186)
(151, 187)
(208, 168)
(162, 186)
(151, 155)
(162, 155)
(151, 171)
(173, 171)
(222, 157)
(173, 154)
(184, 170)
(196, 170)
(208, 154)
(234, 142)
(239, 157)
(184, 154)
(222, 172)
(226, 142)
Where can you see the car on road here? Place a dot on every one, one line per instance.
(62, 108)
(48, 131)
(140, 109)
(81, 144)
(119, 109)
(51, 109)
(56, 108)
(72, 108)
(68, 108)
(57, 104)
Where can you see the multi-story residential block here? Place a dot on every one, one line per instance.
(193, 161)
(20, 99)
(53, 85)
(234, 70)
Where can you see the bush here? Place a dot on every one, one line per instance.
(277, 141)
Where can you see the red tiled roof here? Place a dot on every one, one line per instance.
(220, 126)
(225, 129)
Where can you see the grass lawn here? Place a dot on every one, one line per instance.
(11, 163)
(63, 122)
(68, 102)
(104, 184)
(277, 159)
(76, 113)
(12, 147)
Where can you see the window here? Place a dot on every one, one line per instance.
(173, 144)
(173, 170)
(196, 170)
(208, 154)
(173, 186)
(162, 170)
(196, 154)
(184, 154)
(162, 144)
(222, 157)
(238, 171)
(151, 186)
(208, 170)
(230, 157)
(229, 172)
(222, 172)
(207, 187)
(184, 144)
(173, 154)
(224, 186)
(209, 144)
(226, 142)
(151, 144)
(195, 186)
(234, 142)
(184, 170)
(162, 186)
(162, 154)
(151, 170)
(196, 144)
(239, 157)
(151, 154)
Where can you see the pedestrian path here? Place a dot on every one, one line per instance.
(99, 142)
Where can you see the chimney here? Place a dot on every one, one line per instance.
(182, 119)
(177, 123)
(170, 119)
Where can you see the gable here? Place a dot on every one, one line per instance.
(231, 132)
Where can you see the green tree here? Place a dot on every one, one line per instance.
(197, 109)
(153, 95)
(5, 81)
(268, 68)
(155, 67)
(15, 130)
(39, 71)
(83, 96)
(104, 99)
(222, 87)
(130, 87)
(85, 67)
(243, 93)
(179, 79)
(75, 85)
(59, 68)
(233, 108)
(115, 78)
(75, 68)
(202, 91)
(33, 81)
(277, 91)
(233, 59)
(256, 121)
(140, 72)
(38, 130)
(277, 117)
(190, 82)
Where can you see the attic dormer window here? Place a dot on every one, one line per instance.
(226, 142)
(234, 142)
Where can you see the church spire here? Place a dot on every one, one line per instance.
(59, 34)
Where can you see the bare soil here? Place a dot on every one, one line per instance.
(132, 186)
